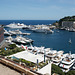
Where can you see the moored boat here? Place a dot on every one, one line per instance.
(67, 63)
(15, 25)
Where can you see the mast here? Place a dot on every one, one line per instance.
(70, 41)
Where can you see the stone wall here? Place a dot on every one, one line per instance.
(69, 24)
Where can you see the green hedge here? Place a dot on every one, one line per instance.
(10, 50)
(28, 63)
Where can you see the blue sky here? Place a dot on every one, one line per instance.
(36, 9)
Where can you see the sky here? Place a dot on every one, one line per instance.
(36, 9)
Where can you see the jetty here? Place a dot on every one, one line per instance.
(14, 32)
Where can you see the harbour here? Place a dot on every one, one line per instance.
(46, 48)
(37, 37)
(58, 40)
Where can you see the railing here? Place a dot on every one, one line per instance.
(17, 66)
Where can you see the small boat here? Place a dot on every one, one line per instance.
(6, 33)
(70, 41)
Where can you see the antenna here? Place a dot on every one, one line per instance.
(44, 55)
(70, 52)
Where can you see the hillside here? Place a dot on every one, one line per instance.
(67, 18)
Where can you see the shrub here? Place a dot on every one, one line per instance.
(56, 69)
(16, 60)
(12, 46)
(70, 73)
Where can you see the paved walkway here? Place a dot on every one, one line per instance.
(7, 71)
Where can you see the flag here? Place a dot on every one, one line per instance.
(22, 46)
(26, 47)
(63, 65)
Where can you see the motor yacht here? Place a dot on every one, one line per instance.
(42, 29)
(22, 40)
(15, 25)
(38, 49)
(30, 48)
(16, 32)
(29, 27)
(58, 58)
(67, 63)
(9, 40)
(51, 54)
(19, 40)
(6, 33)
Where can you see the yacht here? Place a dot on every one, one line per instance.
(15, 32)
(9, 40)
(38, 49)
(51, 54)
(45, 50)
(6, 33)
(31, 48)
(28, 27)
(19, 40)
(28, 40)
(22, 40)
(67, 63)
(58, 58)
(12, 32)
(43, 29)
(71, 30)
(15, 25)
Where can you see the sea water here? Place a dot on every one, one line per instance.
(56, 41)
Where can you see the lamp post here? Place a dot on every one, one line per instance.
(37, 63)
(44, 55)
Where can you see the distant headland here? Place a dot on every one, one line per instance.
(67, 23)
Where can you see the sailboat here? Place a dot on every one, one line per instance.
(70, 41)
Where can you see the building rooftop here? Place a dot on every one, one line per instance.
(29, 56)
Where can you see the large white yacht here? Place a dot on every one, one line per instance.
(15, 32)
(22, 40)
(15, 25)
(42, 29)
(67, 63)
